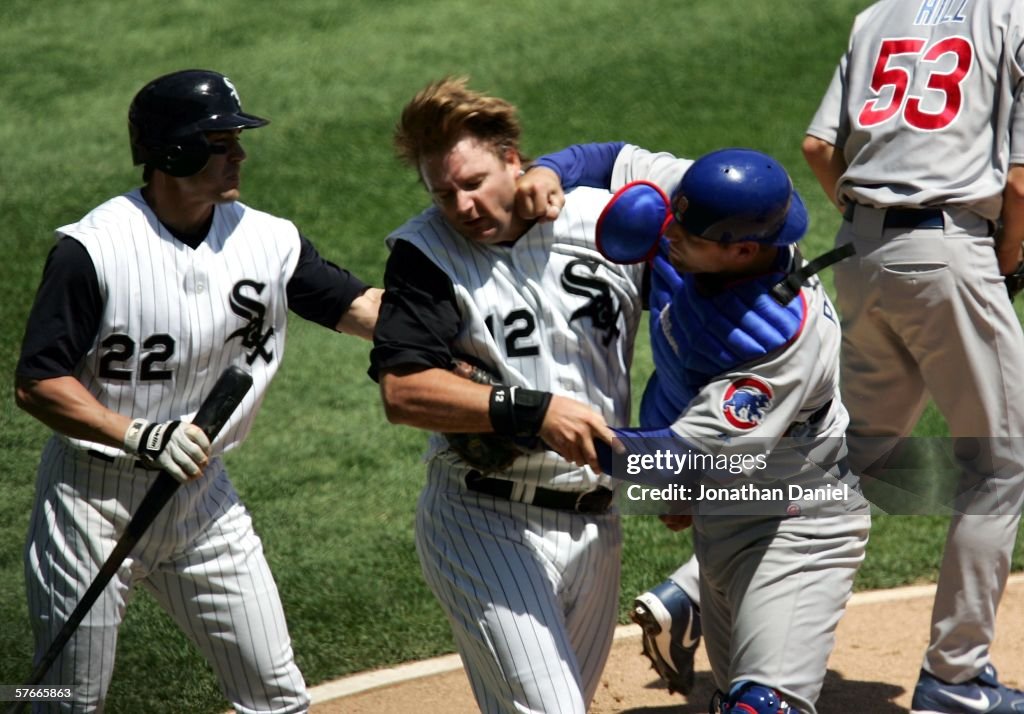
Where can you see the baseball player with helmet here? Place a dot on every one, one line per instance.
(522, 555)
(143, 303)
(739, 373)
(919, 141)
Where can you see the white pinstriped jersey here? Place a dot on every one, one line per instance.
(924, 103)
(532, 308)
(175, 317)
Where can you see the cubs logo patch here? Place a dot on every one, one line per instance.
(746, 402)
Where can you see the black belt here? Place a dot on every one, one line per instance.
(110, 459)
(819, 414)
(905, 217)
(597, 501)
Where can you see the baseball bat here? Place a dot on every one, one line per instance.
(214, 412)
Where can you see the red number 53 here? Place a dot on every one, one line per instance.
(898, 78)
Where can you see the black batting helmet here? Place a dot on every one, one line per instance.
(168, 116)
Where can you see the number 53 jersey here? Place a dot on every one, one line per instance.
(916, 82)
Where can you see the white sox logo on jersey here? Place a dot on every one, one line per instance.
(252, 334)
(746, 401)
(602, 308)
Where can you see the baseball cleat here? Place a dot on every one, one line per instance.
(671, 625)
(981, 695)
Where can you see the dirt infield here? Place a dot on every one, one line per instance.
(872, 671)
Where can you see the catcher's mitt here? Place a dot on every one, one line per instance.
(484, 451)
(1015, 281)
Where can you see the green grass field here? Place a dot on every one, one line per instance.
(331, 485)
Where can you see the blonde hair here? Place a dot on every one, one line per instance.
(444, 112)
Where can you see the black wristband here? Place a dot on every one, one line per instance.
(517, 412)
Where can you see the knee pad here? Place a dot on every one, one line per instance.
(751, 698)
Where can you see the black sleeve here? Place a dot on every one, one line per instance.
(319, 290)
(65, 316)
(419, 317)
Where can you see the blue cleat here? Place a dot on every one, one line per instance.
(981, 695)
(671, 625)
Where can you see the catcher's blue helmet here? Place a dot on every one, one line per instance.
(168, 116)
(733, 195)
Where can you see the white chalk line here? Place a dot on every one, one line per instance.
(375, 679)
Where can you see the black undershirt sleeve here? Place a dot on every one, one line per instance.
(65, 316)
(68, 307)
(419, 317)
(319, 290)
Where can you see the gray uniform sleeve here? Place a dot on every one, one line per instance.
(748, 410)
(705, 421)
(830, 122)
(920, 80)
(635, 164)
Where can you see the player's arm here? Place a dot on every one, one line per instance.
(328, 295)
(1009, 240)
(699, 430)
(62, 325)
(826, 135)
(361, 316)
(582, 164)
(66, 406)
(412, 359)
(439, 400)
(540, 192)
(434, 399)
(827, 164)
(609, 166)
(778, 386)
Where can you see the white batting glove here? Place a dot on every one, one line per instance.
(179, 448)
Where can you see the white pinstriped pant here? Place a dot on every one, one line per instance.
(200, 559)
(531, 595)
